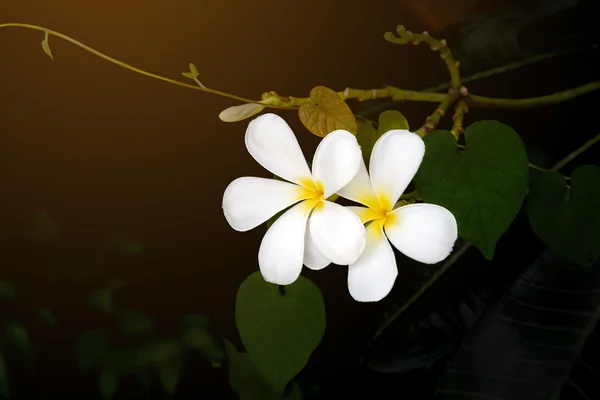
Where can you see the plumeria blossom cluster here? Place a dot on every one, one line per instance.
(316, 232)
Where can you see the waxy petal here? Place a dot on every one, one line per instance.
(281, 251)
(249, 201)
(336, 161)
(273, 145)
(372, 276)
(395, 159)
(359, 188)
(313, 258)
(423, 232)
(337, 232)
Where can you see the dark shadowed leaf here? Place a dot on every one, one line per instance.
(249, 383)
(135, 323)
(366, 137)
(46, 315)
(17, 335)
(91, 349)
(7, 290)
(539, 342)
(568, 219)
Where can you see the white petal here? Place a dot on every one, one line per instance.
(241, 112)
(313, 258)
(282, 249)
(336, 161)
(372, 276)
(249, 201)
(272, 143)
(423, 232)
(338, 233)
(359, 188)
(395, 159)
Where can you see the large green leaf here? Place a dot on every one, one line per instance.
(325, 112)
(279, 331)
(483, 187)
(568, 219)
(249, 383)
(539, 342)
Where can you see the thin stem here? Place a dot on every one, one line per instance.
(434, 44)
(559, 97)
(131, 68)
(459, 114)
(575, 153)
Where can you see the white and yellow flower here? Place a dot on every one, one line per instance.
(314, 231)
(424, 232)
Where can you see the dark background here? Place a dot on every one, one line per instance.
(103, 149)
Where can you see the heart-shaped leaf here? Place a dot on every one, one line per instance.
(568, 219)
(483, 187)
(249, 383)
(325, 112)
(279, 331)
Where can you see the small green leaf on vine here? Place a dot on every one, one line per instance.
(46, 46)
(193, 74)
(325, 112)
(391, 119)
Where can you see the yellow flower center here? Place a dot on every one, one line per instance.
(312, 192)
(379, 209)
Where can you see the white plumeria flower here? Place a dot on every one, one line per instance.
(424, 232)
(313, 231)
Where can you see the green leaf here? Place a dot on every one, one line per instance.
(249, 383)
(109, 380)
(568, 219)
(169, 375)
(279, 331)
(539, 342)
(389, 120)
(44, 229)
(46, 46)
(46, 315)
(4, 384)
(193, 74)
(199, 339)
(7, 290)
(124, 243)
(156, 353)
(325, 112)
(17, 334)
(483, 187)
(135, 323)
(366, 136)
(91, 349)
